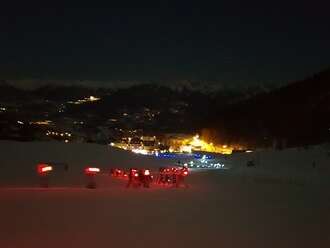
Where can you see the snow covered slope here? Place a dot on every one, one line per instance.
(217, 210)
(19, 159)
(295, 165)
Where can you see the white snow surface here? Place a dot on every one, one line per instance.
(238, 207)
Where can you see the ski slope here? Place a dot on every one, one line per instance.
(221, 208)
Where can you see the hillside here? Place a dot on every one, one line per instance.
(297, 114)
(155, 108)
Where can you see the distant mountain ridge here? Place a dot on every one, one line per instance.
(298, 113)
(68, 90)
(179, 85)
(189, 106)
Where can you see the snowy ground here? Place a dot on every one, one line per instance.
(220, 209)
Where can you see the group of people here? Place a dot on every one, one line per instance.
(138, 178)
(167, 176)
(174, 176)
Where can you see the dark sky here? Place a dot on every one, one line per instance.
(233, 42)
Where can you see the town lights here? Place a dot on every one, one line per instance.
(140, 151)
(85, 100)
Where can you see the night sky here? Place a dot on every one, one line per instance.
(233, 42)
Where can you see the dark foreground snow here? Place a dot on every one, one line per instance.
(218, 210)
